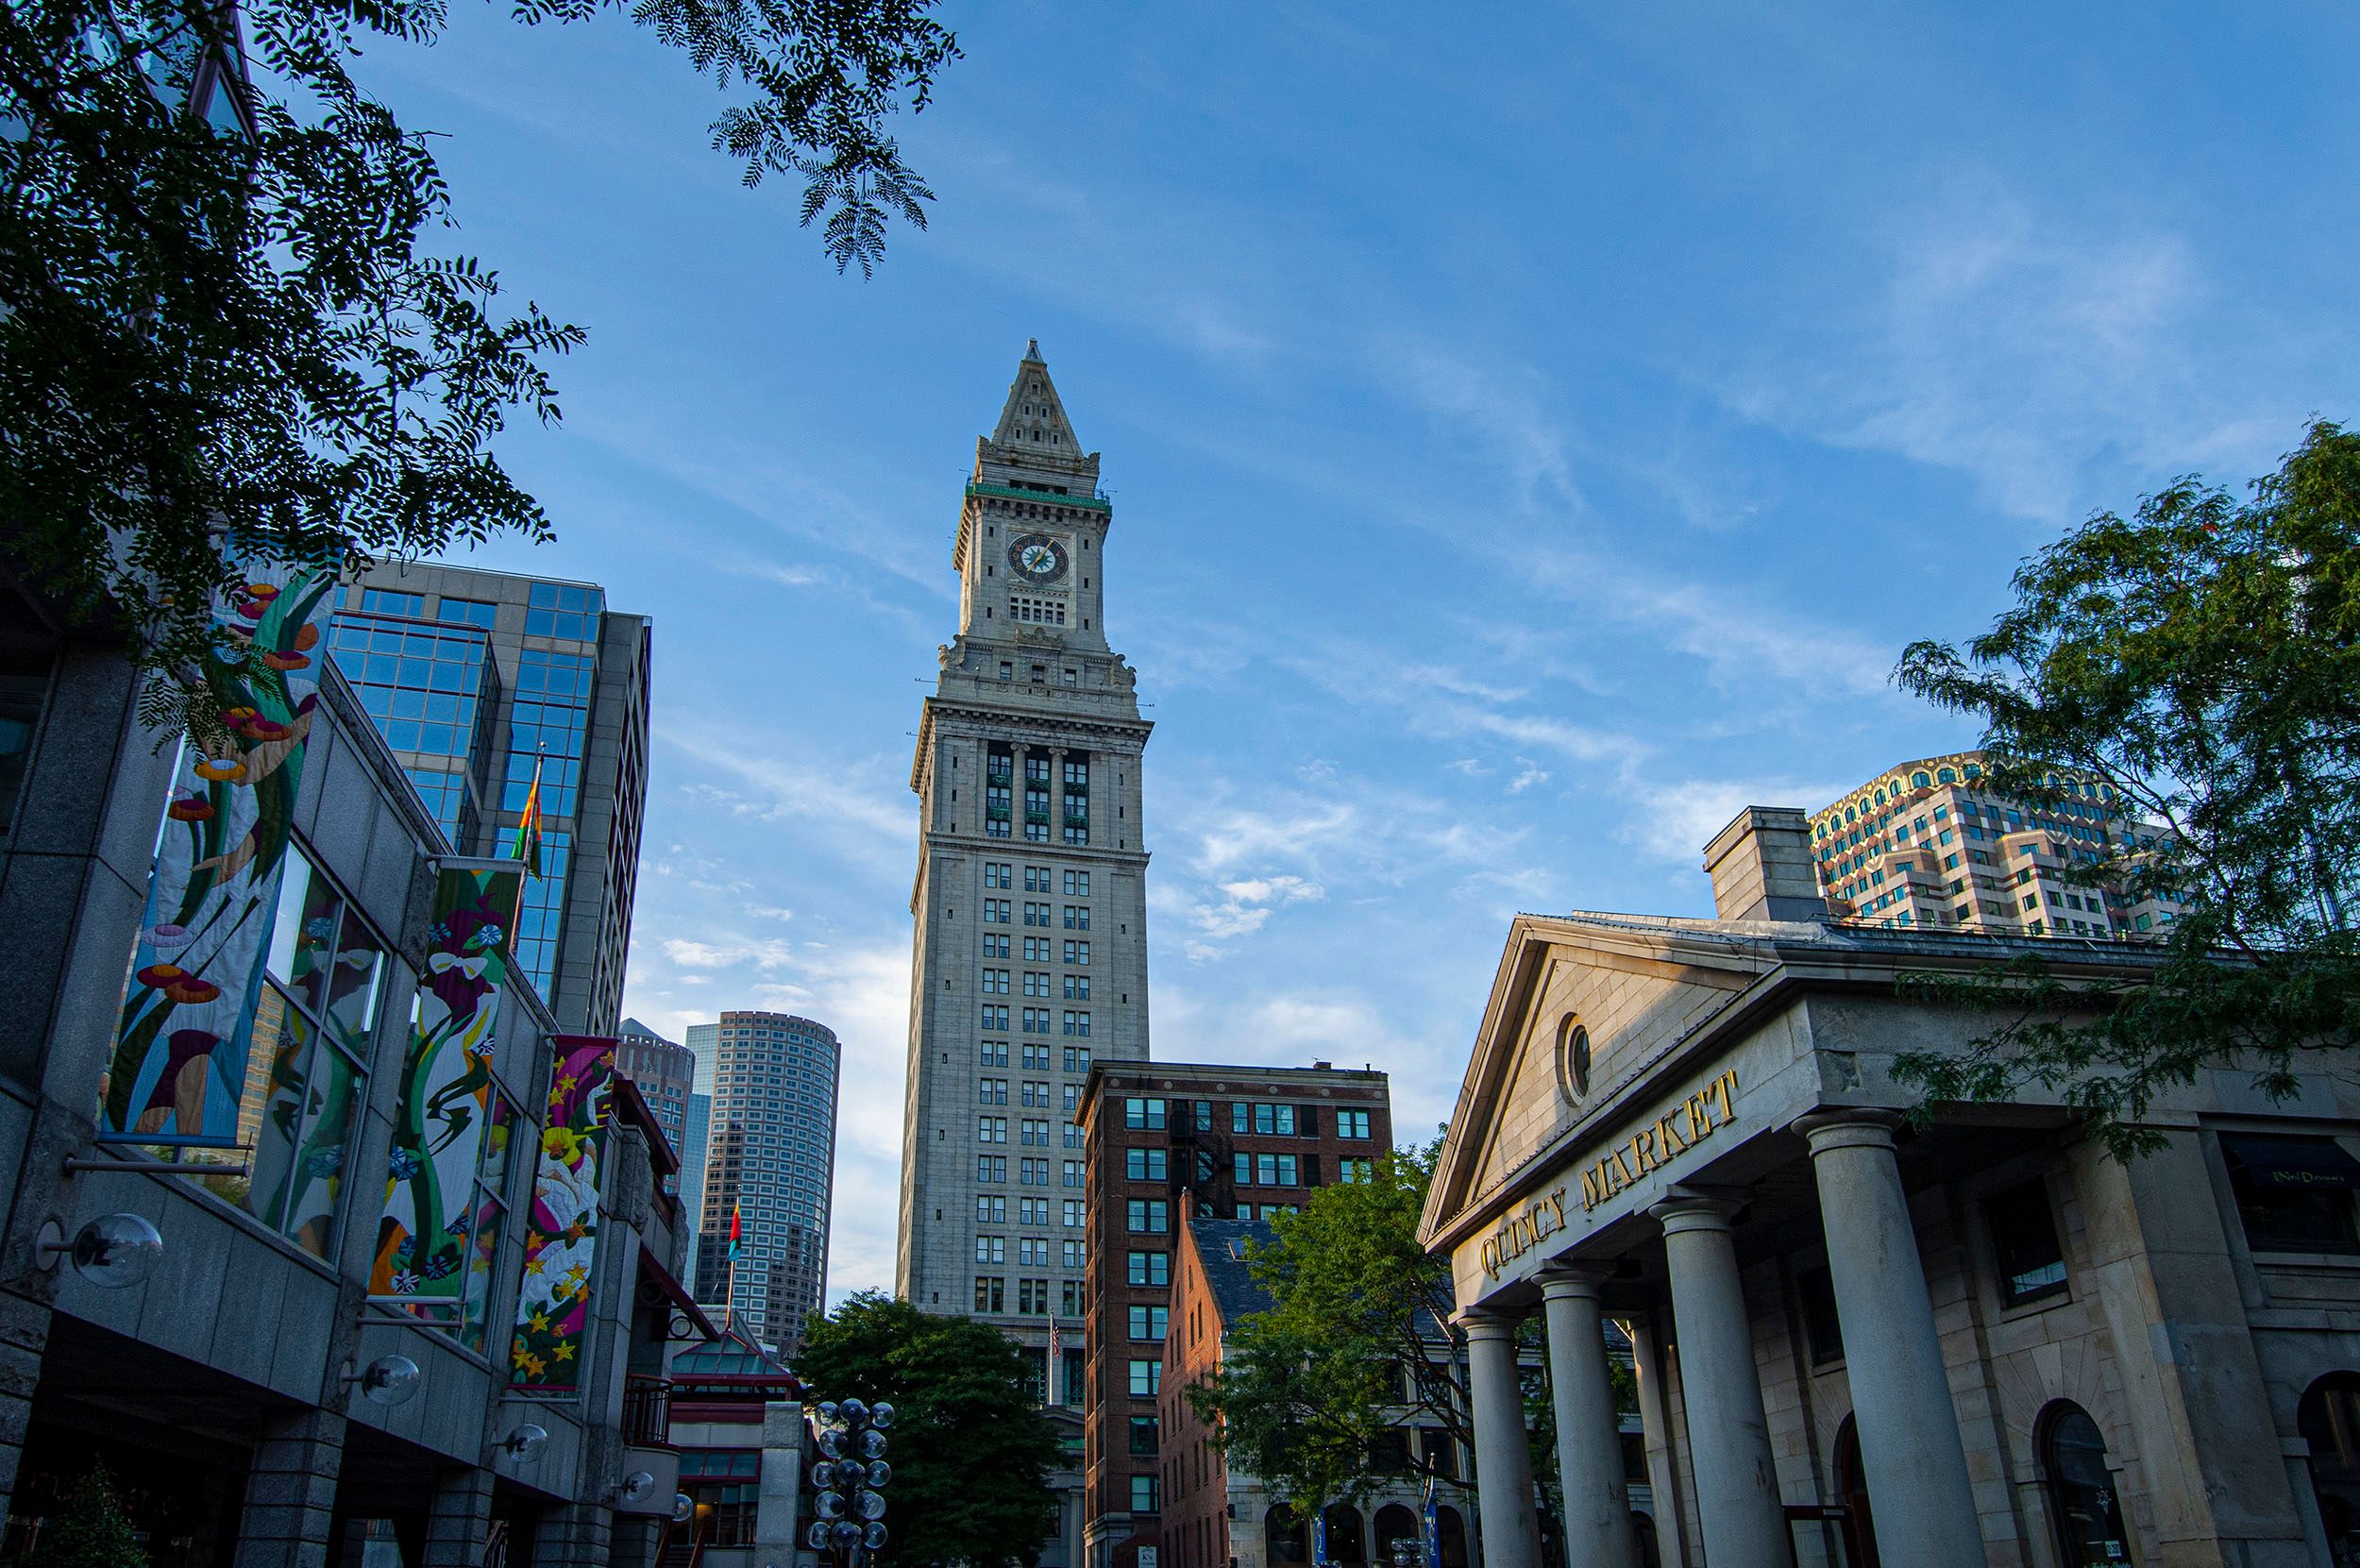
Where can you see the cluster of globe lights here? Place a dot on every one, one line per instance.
(849, 1472)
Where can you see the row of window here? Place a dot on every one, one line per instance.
(992, 1209)
(1076, 1058)
(1031, 1133)
(1032, 1172)
(1038, 950)
(1077, 884)
(1031, 1251)
(1036, 983)
(1037, 1095)
(1148, 1113)
(1001, 911)
(1032, 1297)
(1038, 1021)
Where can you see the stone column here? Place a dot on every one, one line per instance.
(1589, 1445)
(291, 1491)
(1511, 1536)
(573, 1535)
(1655, 1419)
(1909, 1432)
(24, 1339)
(1729, 1437)
(458, 1517)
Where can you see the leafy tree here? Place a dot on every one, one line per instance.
(93, 1531)
(1356, 1351)
(2203, 659)
(236, 333)
(971, 1450)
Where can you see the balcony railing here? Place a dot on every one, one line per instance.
(647, 1411)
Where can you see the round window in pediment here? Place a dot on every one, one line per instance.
(1573, 1057)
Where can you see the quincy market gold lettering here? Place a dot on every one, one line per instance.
(1523, 1232)
(1654, 1146)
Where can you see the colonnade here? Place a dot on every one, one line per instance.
(1911, 1446)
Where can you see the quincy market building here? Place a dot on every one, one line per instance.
(1981, 1343)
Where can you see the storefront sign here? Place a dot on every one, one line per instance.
(1656, 1145)
(1523, 1232)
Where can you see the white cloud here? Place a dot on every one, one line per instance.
(1527, 779)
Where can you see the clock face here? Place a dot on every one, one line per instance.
(1036, 558)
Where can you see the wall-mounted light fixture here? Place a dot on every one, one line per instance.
(115, 1251)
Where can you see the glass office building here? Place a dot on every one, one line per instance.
(474, 677)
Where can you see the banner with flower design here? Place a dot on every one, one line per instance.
(187, 1025)
(449, 1101)
(561, 1234)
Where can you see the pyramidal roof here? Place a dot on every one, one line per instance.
(1034, 423)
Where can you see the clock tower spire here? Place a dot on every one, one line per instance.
(1031, 897)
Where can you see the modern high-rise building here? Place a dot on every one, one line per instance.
(474, 678)
(1031, 897)
(1164, 1140)
(666, 1077)
(771, 1160)
(1930, 843)
(692, 1177)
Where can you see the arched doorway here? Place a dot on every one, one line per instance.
(1451, 1533)
(1851, 1490)
(1397, 1537)
(2329, 1420)
(1345, 1541)
(1283, 1536)
(2081, 1496)
(1642, 1533)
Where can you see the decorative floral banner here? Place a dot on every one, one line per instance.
(180, 1066)
(561, 1236)
(448, 1101)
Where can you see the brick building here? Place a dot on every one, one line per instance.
(1227, 1141)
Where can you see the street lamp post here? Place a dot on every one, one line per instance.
(848, 1508)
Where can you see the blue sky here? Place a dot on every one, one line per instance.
(1534, 433)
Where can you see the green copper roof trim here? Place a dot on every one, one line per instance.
(1045, 498)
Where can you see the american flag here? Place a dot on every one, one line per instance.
(1048, 1384)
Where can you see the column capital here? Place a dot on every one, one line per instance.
(1487, 1323)
(1692, 1211)
(1865, 1127)
(1567, 1281)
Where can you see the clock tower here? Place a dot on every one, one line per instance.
(1031, 898)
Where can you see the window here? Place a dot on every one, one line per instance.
(995, 1016)
(1143, 1114)
(991, 1167)
(1035, 1058)
(1036, 877)
(1077, 884)
(992, 1129)
(2024, 1243)
(1352, 1124)
(1077, 1058)
(1077, 953)
(1147, 1378)
(2294, 1194)
(1149, 1322)
(1147, 1216)
(991, 1212)
(1034, 1173)
(1356, 1171)
(1036, 914)
(996, 911)
(1822, 1329)
(992, 1091)
(1269, 1120)
(1077, 1023)
(1077, 917)
(2082, 1493)
(991, 1295)
(1145, 1165)
(564, 609)
(1037, 1095)
(992, 1249)
(1035, 983)
(997, 981)
(2329, 1420)
(1074, 1259)
(1143, 1443)
(306, 1074)
(1143, 1493)
(1072, 1173)
(1035, 1132)
(995, 1052)
(1032, 1298)
(1036, 1019)
(1077, 987)
(1150, 1268)
(996, 873)
(995, 945)
(1075, 1212)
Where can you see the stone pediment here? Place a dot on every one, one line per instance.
(1575, 1012)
